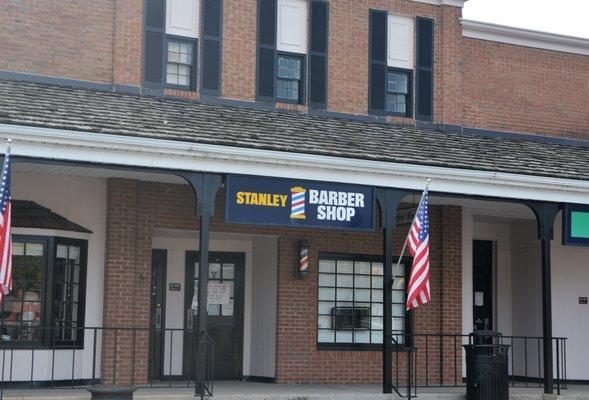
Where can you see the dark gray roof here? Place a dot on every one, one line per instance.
(33, 104)
(28, 214)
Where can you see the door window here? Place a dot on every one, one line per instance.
(223, 273)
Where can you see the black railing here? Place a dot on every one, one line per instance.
(436, 360)
(118, 356)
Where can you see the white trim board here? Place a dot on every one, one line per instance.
(455, 3)
(99, 148)
(524, 37)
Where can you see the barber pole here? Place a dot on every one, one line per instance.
(303, 259)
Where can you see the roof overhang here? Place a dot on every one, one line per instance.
(524, 37)
(131, 151)
(455, 3)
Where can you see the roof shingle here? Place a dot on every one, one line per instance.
(52, 106)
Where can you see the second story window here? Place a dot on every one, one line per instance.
(180, 64)
(398, 92)
(171, 41)
(289, 82)
(292, 52)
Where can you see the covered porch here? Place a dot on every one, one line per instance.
(158, 185)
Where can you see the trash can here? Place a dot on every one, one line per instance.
(486, 367)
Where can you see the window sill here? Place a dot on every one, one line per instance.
(281, 105)
(182, 92)
(358, 347)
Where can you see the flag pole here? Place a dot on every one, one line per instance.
(410, 226)
(2, 298)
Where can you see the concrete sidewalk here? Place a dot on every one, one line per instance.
(265, 391)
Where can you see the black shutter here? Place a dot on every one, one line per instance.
(212, 21)
(319, 27)
(153, 50)
(266, 50)
(378, 62)
(425, 69)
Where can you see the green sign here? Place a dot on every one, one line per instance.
(580, 224)
(576, 225)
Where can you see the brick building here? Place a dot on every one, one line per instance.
(130, 118)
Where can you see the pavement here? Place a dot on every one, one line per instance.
(266, 391)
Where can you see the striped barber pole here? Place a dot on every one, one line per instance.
(297, 210)
(303, 258)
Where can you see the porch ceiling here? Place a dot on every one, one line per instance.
(84, 110)
(94, 172)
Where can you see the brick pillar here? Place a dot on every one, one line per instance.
(126, 288)
(451, 307)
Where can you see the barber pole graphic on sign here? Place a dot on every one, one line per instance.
(297, 210)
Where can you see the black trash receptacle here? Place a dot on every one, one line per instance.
(486, 367)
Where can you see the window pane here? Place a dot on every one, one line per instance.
(282, 89)
(361, 281)
(376, 337)
(344, 337)
(326, 294)
(377, 282)
(325, 307)
(377, 268)
(324, 322)
(362, 336)
(228, 271)
(377, 295)
(345, 267)
(283, 67)
(214, 271)
(18, 249)
(326, 265)
(325, 336)
(345, 294)
(362, 267)
(345, 280)
(402, 81)
(392, 82)
(326, 280)
(376, 309)
(362, 295)
(376, 323)
(398, 310)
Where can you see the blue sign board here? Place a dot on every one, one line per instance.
(294, 203)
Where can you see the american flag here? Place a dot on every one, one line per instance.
(418, 240)
(5, 238)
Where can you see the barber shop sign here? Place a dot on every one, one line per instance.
(286, 202)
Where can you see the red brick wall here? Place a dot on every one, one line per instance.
(64, 38)
(521, 89)
(134, 210)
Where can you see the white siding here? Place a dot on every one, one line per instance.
(82, 200)
(263, 315)
(292, 26)
(260, 266)
(570, 280)
(182, 18)
(400, 41)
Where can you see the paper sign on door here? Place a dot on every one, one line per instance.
(219, 293)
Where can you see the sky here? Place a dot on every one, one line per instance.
(565, 17)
